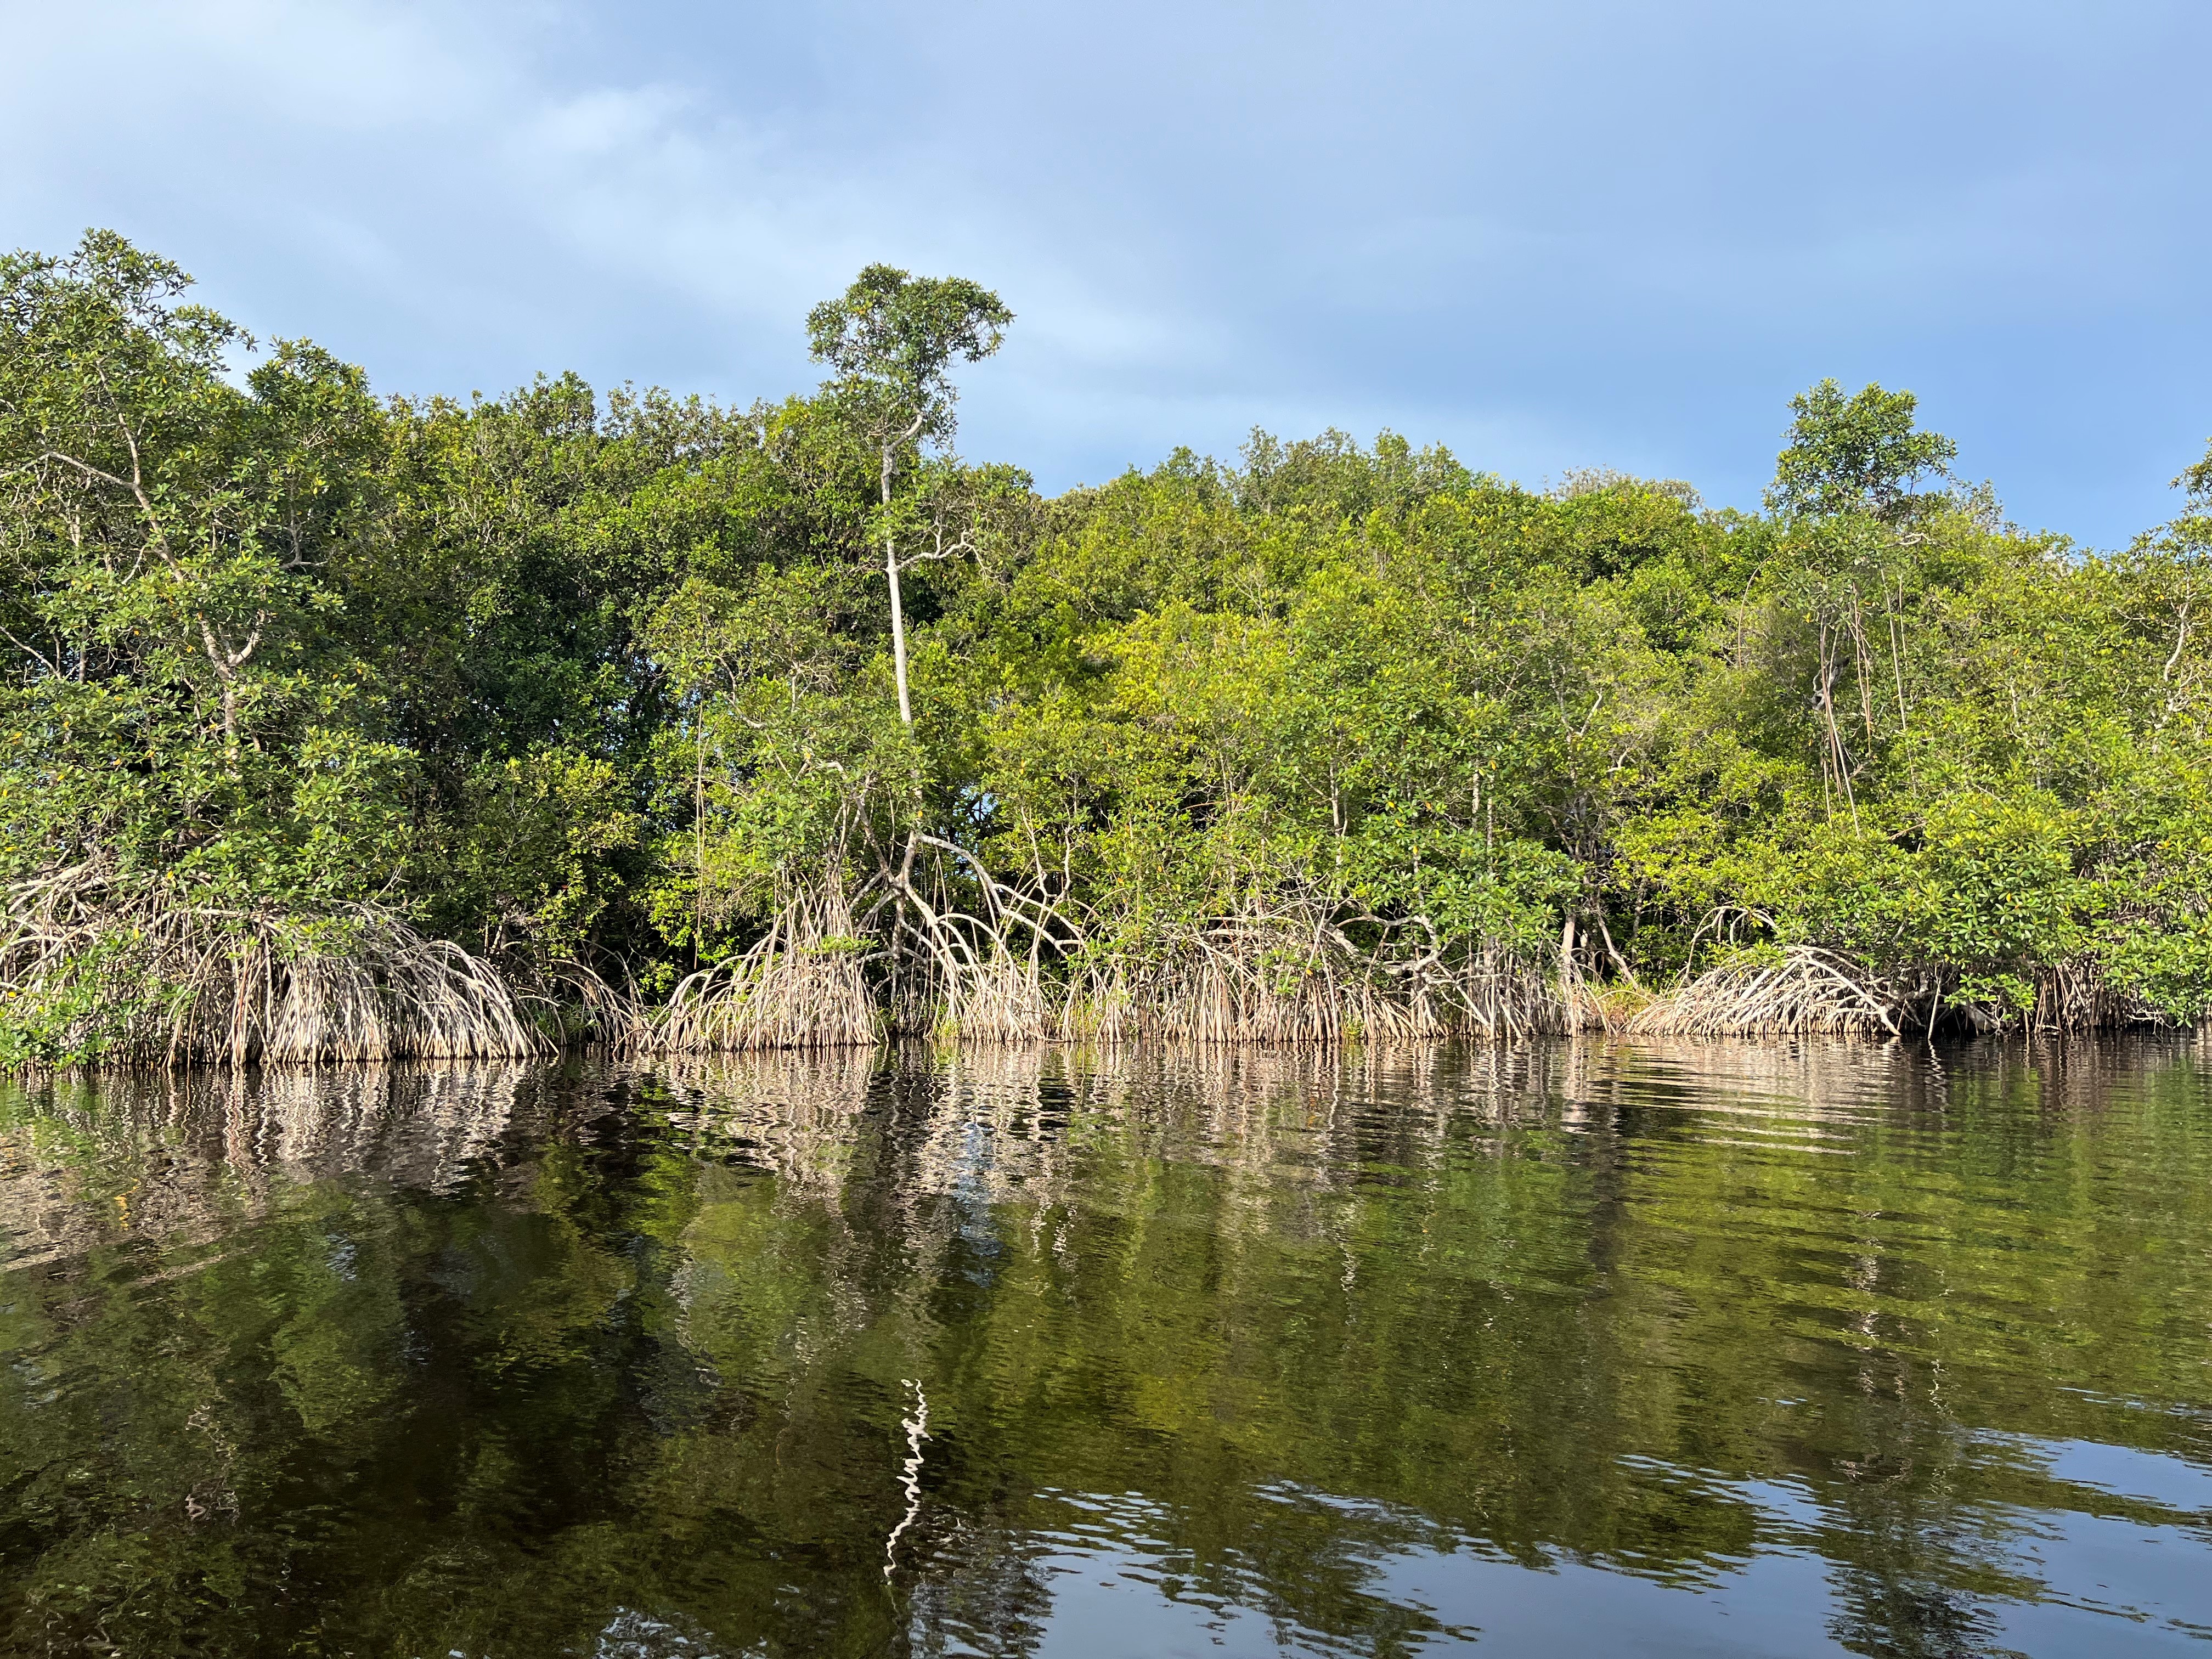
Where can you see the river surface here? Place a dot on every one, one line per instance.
(1599, 1348)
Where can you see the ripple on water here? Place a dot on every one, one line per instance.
(1645, 1347)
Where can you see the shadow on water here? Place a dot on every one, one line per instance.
(1643, 1348)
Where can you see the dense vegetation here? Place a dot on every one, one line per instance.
(337, 726)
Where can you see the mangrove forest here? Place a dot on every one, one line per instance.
(337, 724)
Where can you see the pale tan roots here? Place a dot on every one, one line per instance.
(173, 981)
(1809, 991)
(800, 986)
(1235, 988)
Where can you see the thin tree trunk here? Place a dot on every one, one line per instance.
(898, 611)
(898, 634)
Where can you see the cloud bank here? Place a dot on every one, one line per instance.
(1588, 233)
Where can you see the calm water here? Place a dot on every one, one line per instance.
(1641, 1349)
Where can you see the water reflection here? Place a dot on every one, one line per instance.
(1641, 1348)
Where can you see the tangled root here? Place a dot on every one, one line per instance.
(95, 969)
(1805, 991)
(800, 986)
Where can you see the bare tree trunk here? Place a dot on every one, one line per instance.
(898, 611)
(898, 635)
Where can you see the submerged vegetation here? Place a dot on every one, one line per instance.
(340, 727)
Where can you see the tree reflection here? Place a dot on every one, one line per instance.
(508, 1360)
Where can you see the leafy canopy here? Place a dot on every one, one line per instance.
(892, 339)
(1855, 455)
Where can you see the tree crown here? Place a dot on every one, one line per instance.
(893, 338)
(1855, 455)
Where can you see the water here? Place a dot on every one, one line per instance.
(1640, 1349)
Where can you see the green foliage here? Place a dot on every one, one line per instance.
(1860, 454)
(610, 681)
(891, 340)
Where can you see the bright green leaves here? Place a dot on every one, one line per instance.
(1860, 454)
(169, 533)
(614, 679)
(783, 752)
(538, 845)
(891, 340)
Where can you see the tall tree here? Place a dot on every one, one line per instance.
(892, 340)
(1855, 455)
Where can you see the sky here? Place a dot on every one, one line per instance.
(1551, 236)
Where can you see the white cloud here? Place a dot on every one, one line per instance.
(1550, 235)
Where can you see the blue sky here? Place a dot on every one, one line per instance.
(1550, 235)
